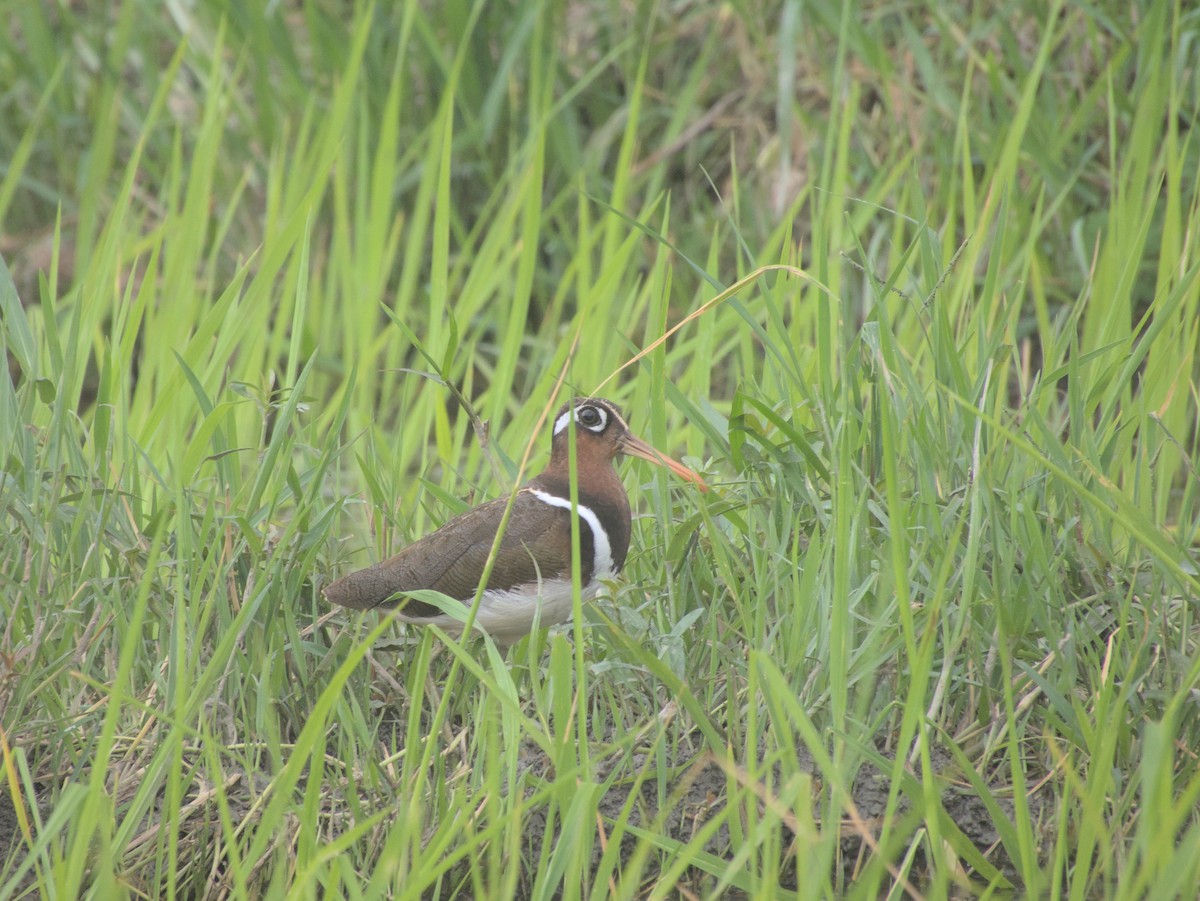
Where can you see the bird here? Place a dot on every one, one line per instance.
(530, 581)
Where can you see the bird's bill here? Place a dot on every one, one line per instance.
(636, 447)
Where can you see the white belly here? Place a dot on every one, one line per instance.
(509, 615)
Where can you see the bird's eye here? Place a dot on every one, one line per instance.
(591, 418)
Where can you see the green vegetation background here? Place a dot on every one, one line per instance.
(951, 550)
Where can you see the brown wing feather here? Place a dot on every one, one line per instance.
(535, 530)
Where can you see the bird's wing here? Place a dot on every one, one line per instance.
(451, 559)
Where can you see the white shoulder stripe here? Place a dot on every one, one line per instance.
(602, 562)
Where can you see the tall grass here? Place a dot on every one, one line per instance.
(935, 276)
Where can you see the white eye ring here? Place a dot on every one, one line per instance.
(601, 417)
(596, 427)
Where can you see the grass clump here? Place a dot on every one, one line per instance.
(915, 287)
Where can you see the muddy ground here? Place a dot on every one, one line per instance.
(704, 783)
(697, 780)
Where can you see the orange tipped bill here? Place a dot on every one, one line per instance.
(636, 447)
